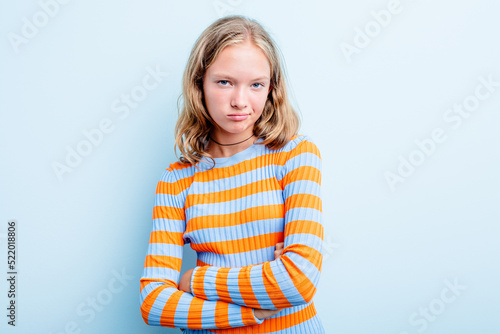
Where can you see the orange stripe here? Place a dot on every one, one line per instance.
(242, 167)
(304, 147)
(194, 320)
(174, 188)
(200, 263)
(163, 261)
(304, 226)
(168, 312)
(168, 212)
(246, 289)
(303, 173)
(308, 253)
(198, 280)
(185, 182)
(270, 282)
(303, 201)
(168, 188)
(301, 282)
(247, 316)
(178, 166)
(221, 315)
(233, 194)
(286, 321)
(167, 237)
(272, 324)
(240, 245)
(221, 284)
(236, 218)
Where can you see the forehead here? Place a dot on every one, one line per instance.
(242, 59)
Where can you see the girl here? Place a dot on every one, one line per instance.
(245, 194)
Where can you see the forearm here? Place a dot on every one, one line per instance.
(288, 281)
(162, 304)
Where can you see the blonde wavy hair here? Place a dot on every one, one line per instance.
(278, 123)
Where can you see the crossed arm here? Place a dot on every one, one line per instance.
(185, 285)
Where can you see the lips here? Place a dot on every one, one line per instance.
(238, 117)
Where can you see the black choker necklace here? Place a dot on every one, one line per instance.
(230, 144)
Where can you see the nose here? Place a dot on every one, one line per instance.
(239, 99)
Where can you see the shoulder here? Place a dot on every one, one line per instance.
(301, 160)
(180, 175)
(301, 144)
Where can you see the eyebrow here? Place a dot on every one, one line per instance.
(222, 75)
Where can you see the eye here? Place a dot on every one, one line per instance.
(257, 85)
(223, 82)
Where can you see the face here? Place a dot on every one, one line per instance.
(235, 88)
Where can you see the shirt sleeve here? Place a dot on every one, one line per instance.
(292, 279)
(162, 303)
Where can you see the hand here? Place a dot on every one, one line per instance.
(185, 282)
(279, 250)
(263, 314)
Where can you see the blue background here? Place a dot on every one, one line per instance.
(391, 252)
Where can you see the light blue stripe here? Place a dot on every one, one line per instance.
(169, 225)
(303, 214)
(208, 315)
(299, 187)
(234, 292)
(168, 200)
(165, 250)
(238, 259)
(304, 159)
(259, 290)
(161, 273)
(182, 310)
(234, 315)
(209, 283)
(306, 239)
(247, 154)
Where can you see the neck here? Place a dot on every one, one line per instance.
(225, 148)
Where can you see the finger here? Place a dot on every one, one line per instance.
(280, 245)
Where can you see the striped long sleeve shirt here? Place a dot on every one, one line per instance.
(233, 215)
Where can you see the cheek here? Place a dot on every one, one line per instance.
(214, 98)
(209, 99)
(259, 102)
